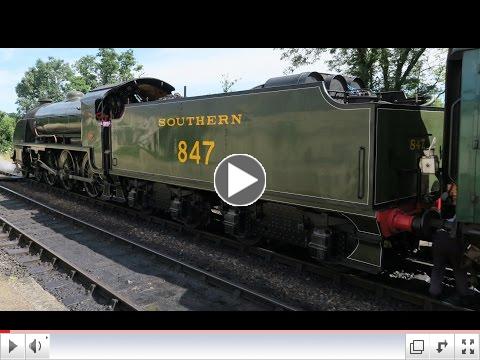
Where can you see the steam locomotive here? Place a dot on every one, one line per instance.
(350, 172)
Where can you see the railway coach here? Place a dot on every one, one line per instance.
(350, 173)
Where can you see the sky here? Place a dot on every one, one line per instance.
(200, 69)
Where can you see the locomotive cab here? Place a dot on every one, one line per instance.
(111, 103)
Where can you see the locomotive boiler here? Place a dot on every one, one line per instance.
(350, 172)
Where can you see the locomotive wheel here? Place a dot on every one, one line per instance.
(26, 165)
(51, 161)
(67, 166)
(38, 173)
(94, 189)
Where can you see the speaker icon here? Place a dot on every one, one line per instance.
(35, 346)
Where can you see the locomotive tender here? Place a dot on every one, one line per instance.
(342, 163)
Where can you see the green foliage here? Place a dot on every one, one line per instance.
(107, 67)
(415, 70)
(46, 79)
(54, 78)
(7, 127)
(87, 76)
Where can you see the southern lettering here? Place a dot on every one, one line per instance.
(202, 120)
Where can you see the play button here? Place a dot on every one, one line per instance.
(240, 179)
(11, 346)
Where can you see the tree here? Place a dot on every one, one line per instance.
(54, 78)
(46, 79)
(415, 70)
(107, 67)
(226, 83)
(85, 78)
(7, 127)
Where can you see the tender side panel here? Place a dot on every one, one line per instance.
(468, 209)
(313, 152)
(401, 136)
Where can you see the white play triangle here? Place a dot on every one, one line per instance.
(238, 180)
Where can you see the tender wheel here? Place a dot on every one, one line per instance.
(193, 211)
(198, 214)
(67, 166)
(242, 225)
(52, 162)
(95, 188)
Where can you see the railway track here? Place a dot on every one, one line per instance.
(59, 275)
(337, 274)
(109, 266)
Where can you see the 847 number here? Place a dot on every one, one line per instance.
(194, 154)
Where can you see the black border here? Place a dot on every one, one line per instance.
(334, 320)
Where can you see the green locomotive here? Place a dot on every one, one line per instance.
(342, 162)
(462, 136)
